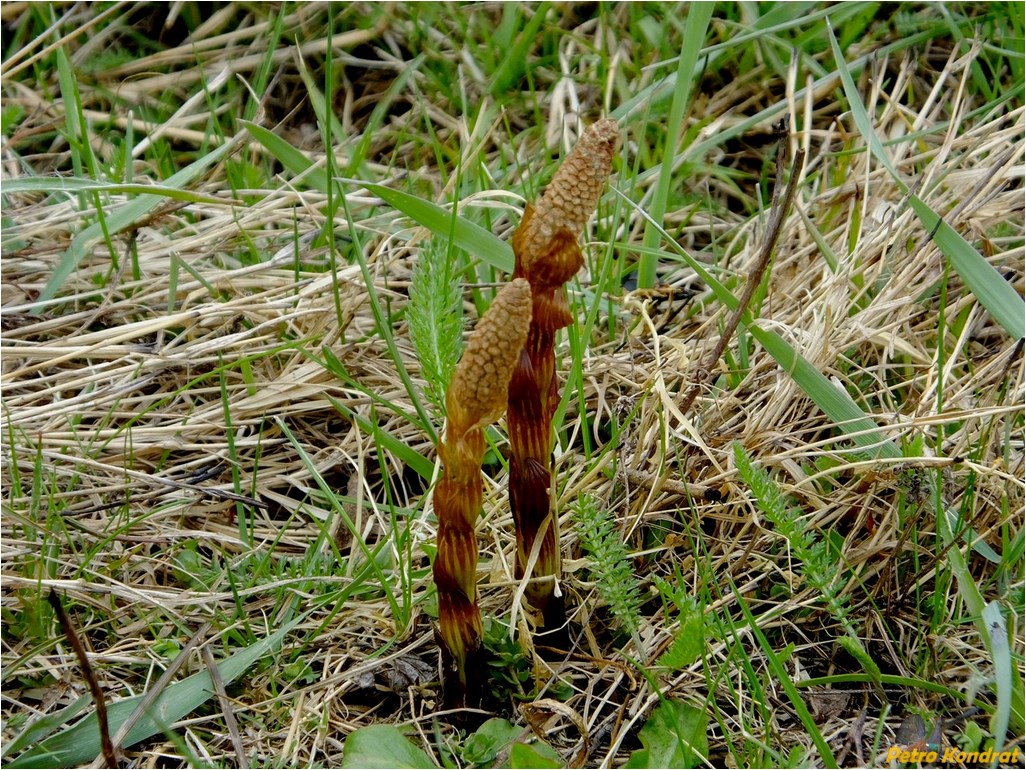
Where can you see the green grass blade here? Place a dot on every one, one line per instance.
(45, 725)
(81, 152)
(291, 158)
(339, 509)
(325, 116)
(515, 60)
(694, 35)
(777, 667)
(890, 680)
(411, 457)
(383, 105)
(858, 110)
(80, 743)
(660, 91)
(839, 406)
(984, 619)
(416, 461)
(118, 220)
(991, 290)
(383, 322)
(75, 185)
(835, 402)
(997, 630)
(466, 235)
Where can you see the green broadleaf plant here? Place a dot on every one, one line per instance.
(382, 746)
(529, 756)
(674, 736)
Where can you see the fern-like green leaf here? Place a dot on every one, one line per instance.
(814, 554)
(435, 318)
(610, 567)
(689, 642)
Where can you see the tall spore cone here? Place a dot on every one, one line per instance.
(547, 255)
(475, 398)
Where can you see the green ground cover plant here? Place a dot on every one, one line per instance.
(243, 249)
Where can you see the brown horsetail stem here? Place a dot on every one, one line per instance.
(547, 255)
(476, 398)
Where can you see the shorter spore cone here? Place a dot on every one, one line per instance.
(476, 397)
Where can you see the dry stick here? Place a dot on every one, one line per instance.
(547, 255)
(779, 209)
(106, 746)
(226, 707)
(476, 398)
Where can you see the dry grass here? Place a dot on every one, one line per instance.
(156, 415)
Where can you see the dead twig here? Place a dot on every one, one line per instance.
(106, 746)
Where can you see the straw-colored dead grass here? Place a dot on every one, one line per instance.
(145, 416)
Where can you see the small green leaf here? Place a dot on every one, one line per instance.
(490, 739)
(383, 746)
(9, 118)
(540, 755)
(674, 736)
